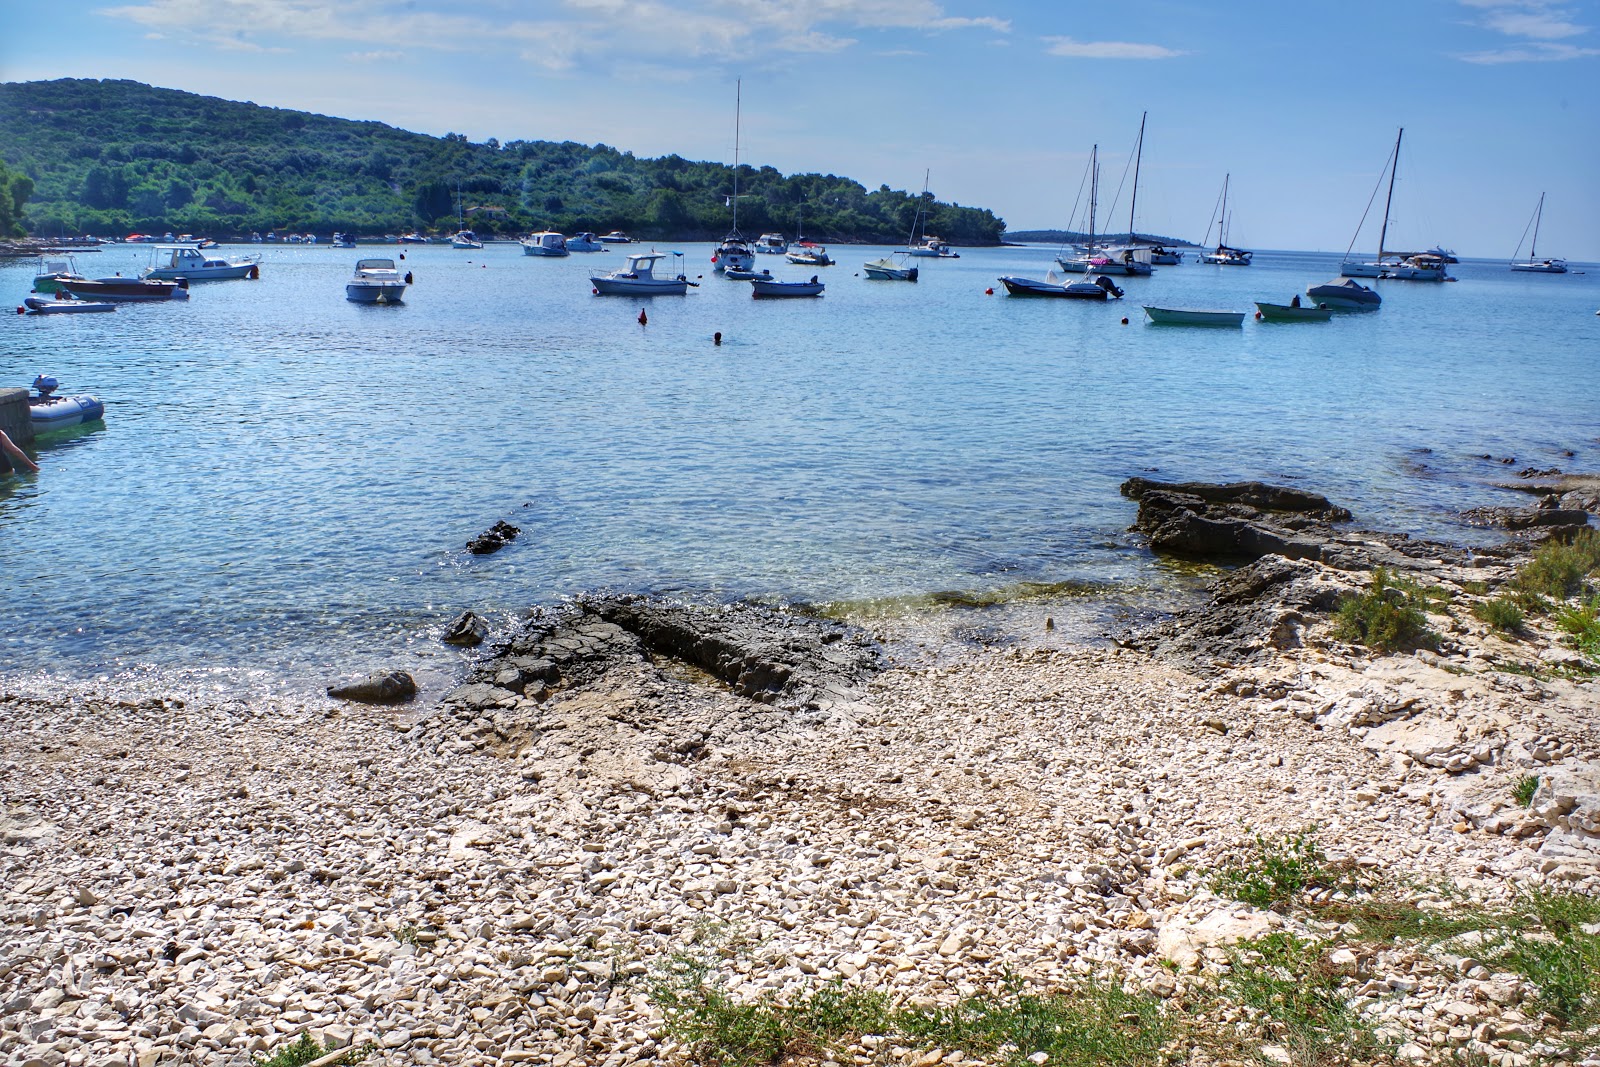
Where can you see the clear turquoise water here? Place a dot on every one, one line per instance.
(285, 482)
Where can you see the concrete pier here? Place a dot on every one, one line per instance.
(14, 417)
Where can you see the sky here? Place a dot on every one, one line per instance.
(1297, 103)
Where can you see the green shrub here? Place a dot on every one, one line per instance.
(1279, 871)
(1389, 616)
(1559, 570)
(1287, 982)
(1547, 944)
(1582, 624)
(298, 1054)
(1501, 613)
(1523, 791)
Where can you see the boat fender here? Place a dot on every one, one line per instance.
(596, 292)
(409, 279)
(255, 272)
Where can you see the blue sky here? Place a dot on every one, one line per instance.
(1500, 99)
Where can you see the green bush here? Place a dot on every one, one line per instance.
(1279, 871)
(1559, 570)
(1287, 982)
(1501, 613)
(1582, 624)
(1523, 791)
(1390, 616)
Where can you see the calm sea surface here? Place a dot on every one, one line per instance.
(285, 482)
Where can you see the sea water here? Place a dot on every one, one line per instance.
(285, 482)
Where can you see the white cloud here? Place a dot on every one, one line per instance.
(1547, 25)
(1537, 24)
(1534, 52)
(1067, 46)
(382, 56)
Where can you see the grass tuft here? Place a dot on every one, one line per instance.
(1523, 791)
(298, 1054)
(1280, 871)
(1390, 616)
(1501, 613)
(1288, 983)
(1560, 570)
(1582, 624)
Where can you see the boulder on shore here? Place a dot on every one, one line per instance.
(1237, 520)
(381, 687)
(468, 628)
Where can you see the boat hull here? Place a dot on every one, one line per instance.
(61, 411)
(66, 307)
(1344, 296)
(1291, 313)
(638, 286)
(770, 289)
(1067, 291)
(886, 271)
(375, 292)
(1193, 317)
(128, 289)
(1361, 270)
(1548, 266)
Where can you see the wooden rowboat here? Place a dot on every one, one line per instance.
(1193, 317)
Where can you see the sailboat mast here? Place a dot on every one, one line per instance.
(1394, 168)
(1137, 159)
(1222, 220)
(1533, 250)
(738, 104)
(1094, 188)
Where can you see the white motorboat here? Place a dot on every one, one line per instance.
(412, 238)
(639, 277)
(127, 289)
(616, 237)
(771, 244)
(748, 275)
(171, 262)
(545, 243)
(1193, 317)
(465, 239)
(53, 271)
(1092, 288)
(764, 288)
(1345, 294)
(377, 281)
(809, 254)
(1422, 267)
(1164, 257)
(891, 268)
(1533, 264)
(65, 304)
(344, 240)
(1223, 255)
(585, 242)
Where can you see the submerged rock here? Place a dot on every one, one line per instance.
(493, 539)
(382, 687)
(468, 629)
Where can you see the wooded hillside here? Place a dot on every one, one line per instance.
(114, 157)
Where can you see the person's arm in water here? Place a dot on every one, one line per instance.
(17, 453)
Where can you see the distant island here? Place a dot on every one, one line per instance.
(119, 157)
(1046, 237)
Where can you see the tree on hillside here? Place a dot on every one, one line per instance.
(14, 192)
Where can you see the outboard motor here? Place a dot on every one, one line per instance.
(46, 385)
(1108, 285)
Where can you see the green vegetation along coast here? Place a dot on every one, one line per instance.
(114, 157)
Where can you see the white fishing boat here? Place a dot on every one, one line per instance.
(734, 253)
(1193, 316)
(545, 243)
(585, 242)
(761, 288)
(771, 244)
(809, 254)
(1345, 294)
(171, 262)
(1129, 259)
(1224, 255)
(377, 281)
(639, 277)
(895, 267)
(53, 270)
(748, 275)
(1533, 264)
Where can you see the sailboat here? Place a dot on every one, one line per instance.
(1092, 287)
(1533, 263)
(1421, 267)
(734, 253)
(803, 252)
(927, 246)
(464, 238)
(1131, 259)
(1223, 255)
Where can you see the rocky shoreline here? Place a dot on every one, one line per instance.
(501, 878)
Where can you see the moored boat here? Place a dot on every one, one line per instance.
(52, 271)
(1533, 264)
(1193, 316)
(545, 243)
(128, 289)
(171, 262)
(1096, 288)
(772, 244)
(465, 239)
(638, 277)
(64, 304)
(616, 237)
(1346, 294)
(50, 412)
(376, 281)
(585, 242)
(762, 287)
(1224, 255)
(893, 268)
(1293, 312)
(809, 254)
(747, 275)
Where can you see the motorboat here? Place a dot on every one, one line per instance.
(344, 240)
(64, 304)
(1422, 267)
(616, 237)
(412, 238)
(53, 271)
(545, 243)
(748, 275)
(772, 244)
(809, 254)
(638, 277)
(465, 239)
(1095, 288)
(1224, 255)
(377, 281)
(892, 268)
(585, 242)
(1292, 312)
(129, 289)
(171, 262)
(761, 288)
(49, 412)
(1533, 264)
(1345, 294)
(1165, 257)
(1193, 317)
